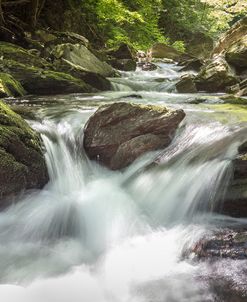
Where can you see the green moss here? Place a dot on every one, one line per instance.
(22, 165)
(10, 51)
(232, 99)
(227, 113)
(9, 86)
(12, 124)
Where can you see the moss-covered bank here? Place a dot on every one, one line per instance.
(22, 164)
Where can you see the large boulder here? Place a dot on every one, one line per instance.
(123, 64)
(237, 53)
(123, 51)
(233, 45)
(186, 84)
(215, 76)
(118, 133)
(161, 50)
(77, 55)
(231, 37)
(35, 74)
(22, 164)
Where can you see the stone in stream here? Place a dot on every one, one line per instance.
(119, 133)
(186, 84)
(123, 64)
(215, 76)
(22, 164)
(123, 51)
(225, 243)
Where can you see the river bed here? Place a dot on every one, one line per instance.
(96, 235)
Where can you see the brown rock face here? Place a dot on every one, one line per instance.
(119, 133)
(235, 200)
(216, 76)
(231, 37)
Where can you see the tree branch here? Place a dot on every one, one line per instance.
(12, 3)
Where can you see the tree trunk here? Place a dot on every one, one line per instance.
(36, 8)
(1, 14)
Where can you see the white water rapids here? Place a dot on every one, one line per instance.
(99, 236)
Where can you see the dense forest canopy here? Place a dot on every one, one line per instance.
(140, 23)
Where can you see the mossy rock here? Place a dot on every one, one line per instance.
(22, 164)
(35, 74)
(9, 86)
(232, 99)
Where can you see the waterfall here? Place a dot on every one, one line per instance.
(97, 235)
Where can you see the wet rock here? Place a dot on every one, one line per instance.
(123, 64)
(149, 67)
(186, 84)
(119, 133)
(235, 200)
(216, 76)
(25, 112)
(35, 74)
(242, 88)
(22, 164)
(226, 243)
(239, 89)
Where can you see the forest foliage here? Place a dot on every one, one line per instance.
(139, 23)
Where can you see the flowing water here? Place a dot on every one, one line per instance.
(95, 235)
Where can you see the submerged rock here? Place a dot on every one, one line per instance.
(215, 76)
(22, 164)
(117, 134)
